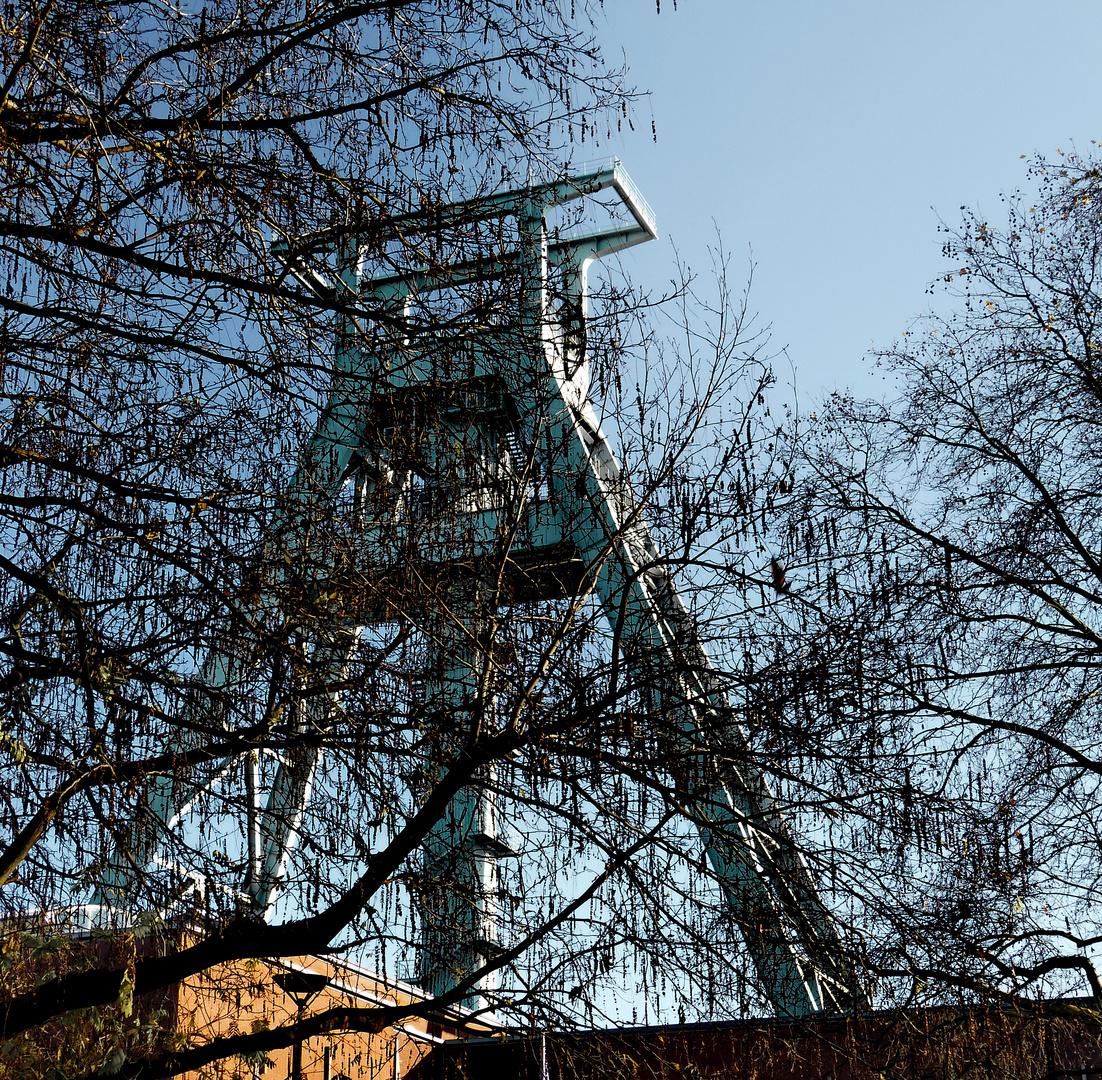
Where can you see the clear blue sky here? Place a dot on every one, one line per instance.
(831, 137)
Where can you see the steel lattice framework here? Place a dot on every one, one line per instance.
(506, 416)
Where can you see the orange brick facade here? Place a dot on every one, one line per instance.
(248, 996)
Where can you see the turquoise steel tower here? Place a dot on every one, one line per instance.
(479, 466)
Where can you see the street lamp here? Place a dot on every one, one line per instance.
(301, 987)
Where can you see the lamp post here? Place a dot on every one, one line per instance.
(301, 987)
